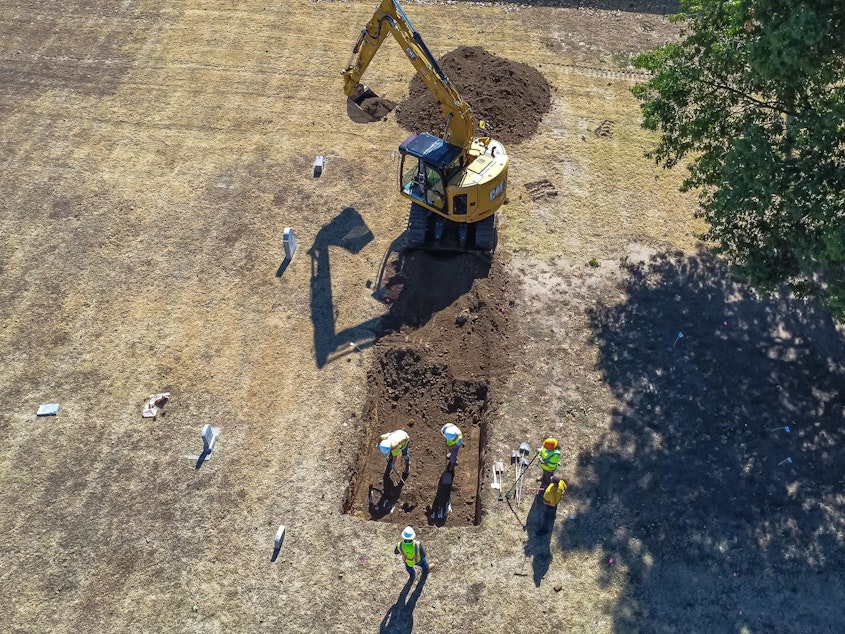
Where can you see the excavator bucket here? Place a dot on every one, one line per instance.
(367, 106)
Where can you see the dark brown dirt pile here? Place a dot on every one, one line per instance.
(510, 97)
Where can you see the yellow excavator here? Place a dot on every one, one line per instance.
(455, 182)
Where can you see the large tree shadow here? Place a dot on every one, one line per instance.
(721, 516)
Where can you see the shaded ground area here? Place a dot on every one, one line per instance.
(510, 97)
(718, 481)
(448, 343)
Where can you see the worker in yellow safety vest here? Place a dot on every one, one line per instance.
(392, 444)
(549, 457)
(551, 497)
(413, 553)
(454, 441)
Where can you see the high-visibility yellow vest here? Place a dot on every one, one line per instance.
(456, 430)
(410, 552)
(549, 459)
(398, 441)
(554, 492)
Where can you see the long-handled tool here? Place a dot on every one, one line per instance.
(515, 463)
(520, 473)
(393, 467)
(499, 469)
(524, 451)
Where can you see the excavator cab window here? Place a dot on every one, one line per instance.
(435, 191)
(423, 181)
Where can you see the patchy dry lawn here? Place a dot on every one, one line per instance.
(151, 155)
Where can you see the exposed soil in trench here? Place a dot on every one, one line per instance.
(449, 341)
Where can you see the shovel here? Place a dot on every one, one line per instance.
(498, 470)
(393, 468)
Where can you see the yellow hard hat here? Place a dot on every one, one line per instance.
(550, 443)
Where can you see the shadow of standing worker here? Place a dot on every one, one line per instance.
(538, 545)
(399, 618)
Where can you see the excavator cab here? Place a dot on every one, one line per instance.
(432, 175)
(428, 163)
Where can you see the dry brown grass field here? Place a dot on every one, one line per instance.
(152, 153)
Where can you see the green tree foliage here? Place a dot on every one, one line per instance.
(752, 96)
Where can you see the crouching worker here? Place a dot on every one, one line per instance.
(392, 444)
(454, 442)
(551, 498)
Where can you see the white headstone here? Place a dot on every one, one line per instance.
(280, 537)
(289, 240)
(209, 438)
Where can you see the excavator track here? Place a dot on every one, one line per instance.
(431, 232)
(485, 234)
(417, 226)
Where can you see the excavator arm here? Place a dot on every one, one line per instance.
(390, 18)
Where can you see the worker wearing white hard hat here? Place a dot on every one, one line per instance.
(413, 553)
(454, 441)
(392, 444)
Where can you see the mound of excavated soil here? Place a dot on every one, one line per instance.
(510, 97)
(449, 342)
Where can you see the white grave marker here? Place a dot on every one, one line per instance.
(209, 438)
(289, 240)
(280, 537)
(48, 409)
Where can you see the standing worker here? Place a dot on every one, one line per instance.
(454, 441)
(394, 443)
(413, 553)
(549, 456)
(554, 492)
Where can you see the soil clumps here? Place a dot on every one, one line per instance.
(510, 97)
(430, 368)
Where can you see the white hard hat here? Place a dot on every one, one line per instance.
(408, 534)
(449, 431)
(384, 447)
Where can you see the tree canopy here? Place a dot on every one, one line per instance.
(752, 98)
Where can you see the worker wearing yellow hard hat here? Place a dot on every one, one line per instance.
(551, 498)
